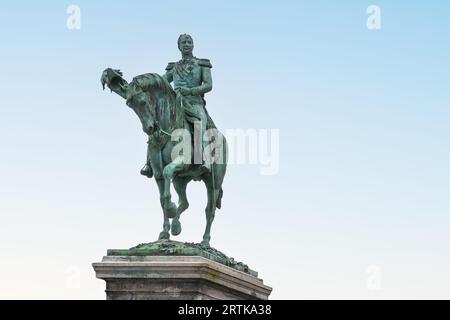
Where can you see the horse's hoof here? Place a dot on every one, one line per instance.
(171, 212)
(164, 235)
(175, 228)
(205, 243)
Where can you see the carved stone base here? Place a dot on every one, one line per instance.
(176, 277)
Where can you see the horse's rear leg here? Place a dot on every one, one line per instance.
(210, 212)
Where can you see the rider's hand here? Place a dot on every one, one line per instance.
(185, 91)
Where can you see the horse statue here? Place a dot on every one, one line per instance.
(163, 113)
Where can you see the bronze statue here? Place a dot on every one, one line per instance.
(163, 112)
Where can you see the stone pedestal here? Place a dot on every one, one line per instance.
(165, 277)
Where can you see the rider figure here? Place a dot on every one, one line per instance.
(192, 79)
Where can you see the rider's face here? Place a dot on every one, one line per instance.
(186, 45)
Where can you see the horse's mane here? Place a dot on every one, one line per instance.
(153, 82)
(161, 95)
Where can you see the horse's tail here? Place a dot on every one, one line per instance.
(219, 199)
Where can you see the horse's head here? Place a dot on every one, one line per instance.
(147, 95)
(139, 99)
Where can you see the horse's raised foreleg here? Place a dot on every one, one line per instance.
(166, 226)
(180, 187)
(169, 171)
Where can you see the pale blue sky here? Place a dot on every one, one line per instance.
(364, 129)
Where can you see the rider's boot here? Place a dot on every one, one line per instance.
(147, 171)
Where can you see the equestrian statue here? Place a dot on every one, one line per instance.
(183, 141)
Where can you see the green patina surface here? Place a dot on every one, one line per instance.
(176, 248)
(165, 110)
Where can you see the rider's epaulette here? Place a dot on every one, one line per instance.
(170, 66)
(204, 63)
